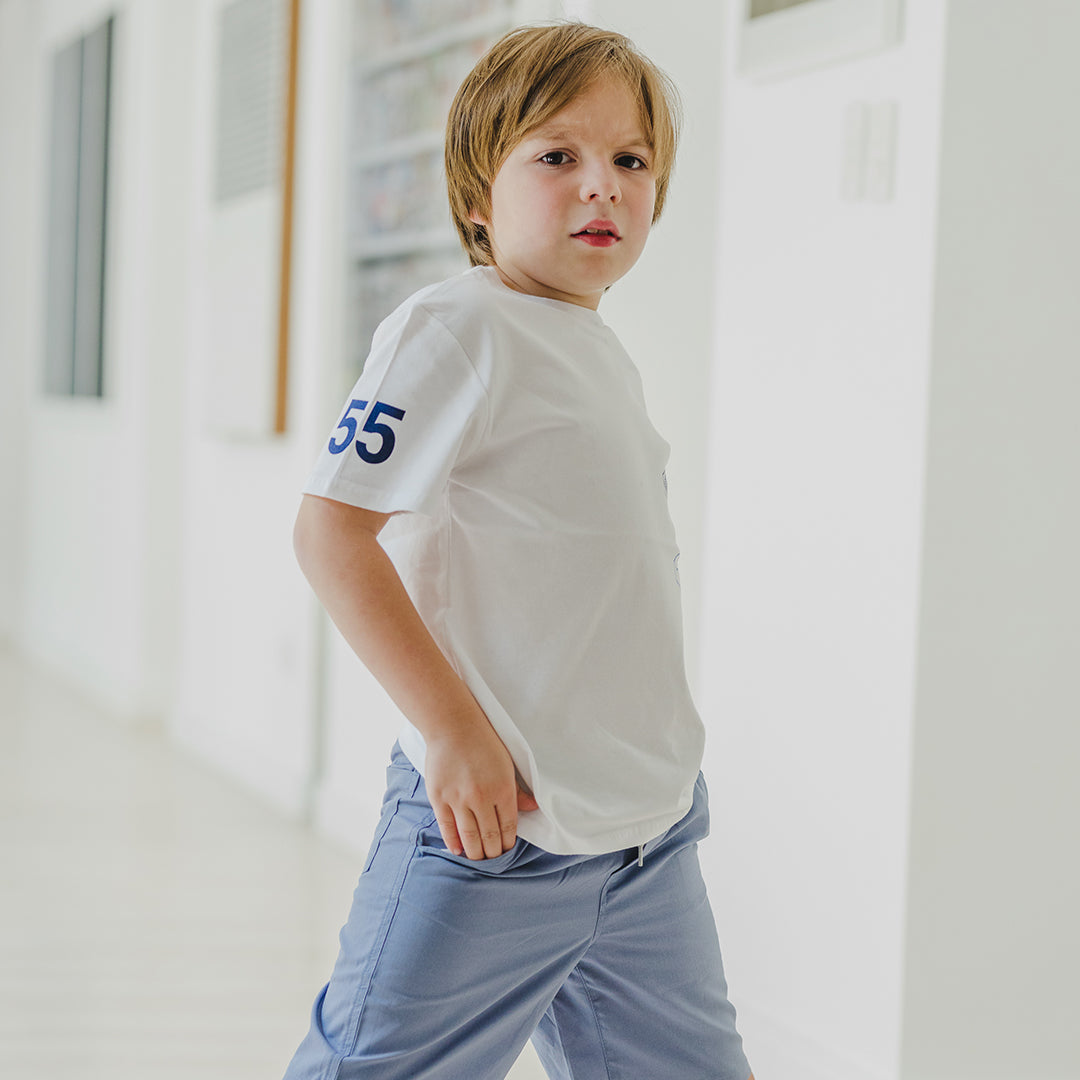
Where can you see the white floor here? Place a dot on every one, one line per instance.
(154, 920)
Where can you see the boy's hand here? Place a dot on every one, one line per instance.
(470, 775)
(473, 790)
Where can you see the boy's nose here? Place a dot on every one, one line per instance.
(600, 185)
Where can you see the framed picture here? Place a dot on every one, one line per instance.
(779, 38)
(249, 238)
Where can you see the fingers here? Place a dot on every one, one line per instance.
(508, 828)
(444, 816)
(482, 833)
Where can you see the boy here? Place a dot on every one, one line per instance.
(535, 869)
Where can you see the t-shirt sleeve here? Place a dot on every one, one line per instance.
(418, 409)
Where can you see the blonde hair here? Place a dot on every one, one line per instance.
(523, 80)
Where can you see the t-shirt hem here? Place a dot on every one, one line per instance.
(543, 833)
(559, 843)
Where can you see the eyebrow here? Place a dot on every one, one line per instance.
(552, 134)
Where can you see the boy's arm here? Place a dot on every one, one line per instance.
(469, 773)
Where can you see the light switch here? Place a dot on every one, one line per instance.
(881, 152)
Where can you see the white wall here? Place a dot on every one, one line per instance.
(815, 494)
(993, 940)
(100, 476)
(19, 135)
(890, 631)
(156, 570)
(246, 661)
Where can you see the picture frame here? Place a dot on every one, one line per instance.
(249, 238)
(782, 38)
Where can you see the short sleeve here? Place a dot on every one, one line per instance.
(416, 411)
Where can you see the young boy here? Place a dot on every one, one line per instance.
(488, 529)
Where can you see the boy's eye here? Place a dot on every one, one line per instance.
(630, 161)
(555, 157)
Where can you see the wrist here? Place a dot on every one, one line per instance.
(461, 722)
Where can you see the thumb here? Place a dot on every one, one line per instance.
(525, 801)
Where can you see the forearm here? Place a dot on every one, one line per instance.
(339, 553)
(469, 773)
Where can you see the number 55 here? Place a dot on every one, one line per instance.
(371, 425)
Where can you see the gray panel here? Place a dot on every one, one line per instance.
(250, 100)
(63, 220)
(93, 184)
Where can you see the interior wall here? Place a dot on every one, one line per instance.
(97, 564)
(157, 572)
(245, 697)
(19, 108)
(813, 547)
(993, 940)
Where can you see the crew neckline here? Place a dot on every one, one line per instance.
(491, 275)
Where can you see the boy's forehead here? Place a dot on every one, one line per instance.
(570, 121)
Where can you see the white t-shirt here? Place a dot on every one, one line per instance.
(539, 550)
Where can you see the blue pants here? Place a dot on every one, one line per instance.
(447, 966)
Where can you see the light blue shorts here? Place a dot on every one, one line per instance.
(447, 966)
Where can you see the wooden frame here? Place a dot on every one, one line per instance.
(282, 390)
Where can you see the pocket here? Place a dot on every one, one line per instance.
(433, 846)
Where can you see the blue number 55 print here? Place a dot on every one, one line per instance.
(385, 432)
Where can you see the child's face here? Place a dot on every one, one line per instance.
(587, 168)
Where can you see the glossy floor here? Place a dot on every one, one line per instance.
(155, 921)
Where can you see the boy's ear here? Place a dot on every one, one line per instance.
(478, 219)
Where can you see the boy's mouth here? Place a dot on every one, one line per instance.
(599, 233)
